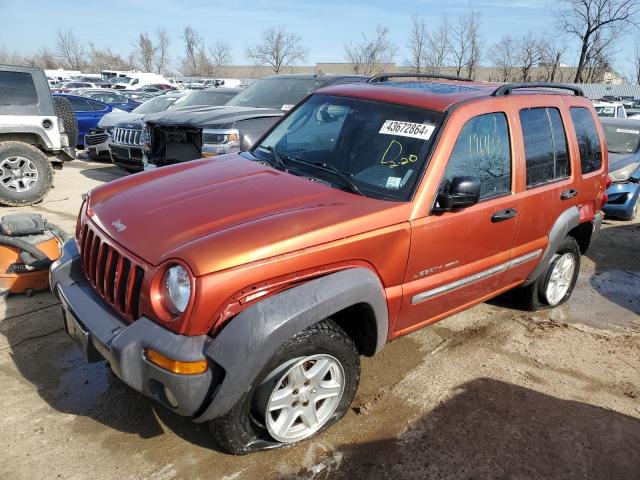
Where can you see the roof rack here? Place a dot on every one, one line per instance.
(510, 87)
(383, 77)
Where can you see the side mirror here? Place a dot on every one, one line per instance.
(462, 192)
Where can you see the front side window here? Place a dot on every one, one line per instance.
(381, 148)
(588, 139)
(483, 150)
(545, 146)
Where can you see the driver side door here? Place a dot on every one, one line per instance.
(459, 257)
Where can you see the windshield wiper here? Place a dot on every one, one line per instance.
(345, 177)
(276, 156)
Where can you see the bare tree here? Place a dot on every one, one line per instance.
(278, 48)
(44, 59)
(552, 52)
(195, 61)
(592, 22)
(465, 43)
(502, 54)
(417, 43)
(220, 55)
(69, 50)
(438, 47)
(145, 52)
(368, 55)
(106, 59)
(636, 60)
(528, 55)
(161, 56)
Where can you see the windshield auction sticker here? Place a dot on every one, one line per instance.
(624, 130)
(422, 131)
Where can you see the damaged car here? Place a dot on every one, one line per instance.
(125, 143)
(175, 137)
(623, 144)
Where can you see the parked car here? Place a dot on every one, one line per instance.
(125, 144)
(38, 133)
(68, 87)
(240, 292)
(88, 113)
(97, 140)
(111, 97)
(180, 136)
(610, 109)
(623, 144)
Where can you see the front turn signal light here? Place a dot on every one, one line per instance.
(176, 366)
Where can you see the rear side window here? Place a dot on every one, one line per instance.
(80, 104)
(483, 150)
(17, 88)
(545, 146)
(588, 139)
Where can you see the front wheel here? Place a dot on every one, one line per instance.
(25, 174)
(306, 387)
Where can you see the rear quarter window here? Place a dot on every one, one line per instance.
(588, 139)
(17, 88)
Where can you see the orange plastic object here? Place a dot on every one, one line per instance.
(27, 282)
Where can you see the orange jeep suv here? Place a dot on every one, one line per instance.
(240, 291)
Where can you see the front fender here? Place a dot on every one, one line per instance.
(251, 339)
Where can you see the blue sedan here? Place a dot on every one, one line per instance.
(88, 113)
(623, 144)
(112, 98)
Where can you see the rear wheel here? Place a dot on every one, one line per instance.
(306, 387)
(25, 174)
(555, 285)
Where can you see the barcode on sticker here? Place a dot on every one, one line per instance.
(422, 131)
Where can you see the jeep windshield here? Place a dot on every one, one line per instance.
(622, 139)
(276, 93)
(378, 148)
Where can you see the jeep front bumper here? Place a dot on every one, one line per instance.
(102, 335)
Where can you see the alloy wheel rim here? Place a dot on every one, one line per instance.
(18, 174)
(304, 398)
(560, 279)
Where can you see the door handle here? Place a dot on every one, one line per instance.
(566, 195)
(502, 215)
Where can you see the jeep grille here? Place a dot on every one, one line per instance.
(113, 276)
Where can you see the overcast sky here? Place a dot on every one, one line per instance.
(325, 25)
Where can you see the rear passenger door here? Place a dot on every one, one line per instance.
(460, 257)
(550, 184)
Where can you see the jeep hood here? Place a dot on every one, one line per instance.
(113, 118)
(221, 213)
(206, 115)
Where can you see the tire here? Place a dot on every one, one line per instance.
(245, 428)
(64, 110)
(33, 164)
(536, 296)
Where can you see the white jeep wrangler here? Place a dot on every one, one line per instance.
(37, 134)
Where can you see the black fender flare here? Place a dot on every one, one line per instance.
(251, 339)
(567, 221)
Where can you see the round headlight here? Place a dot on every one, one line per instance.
(177, 289)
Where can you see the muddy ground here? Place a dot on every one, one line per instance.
(494, 392)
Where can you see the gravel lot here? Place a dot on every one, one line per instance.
(493, 392)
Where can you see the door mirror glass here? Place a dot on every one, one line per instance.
(460, 192)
